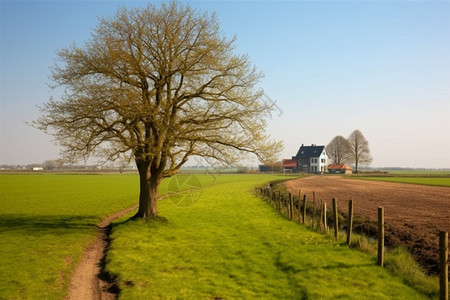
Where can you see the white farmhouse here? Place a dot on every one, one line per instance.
(312, 159)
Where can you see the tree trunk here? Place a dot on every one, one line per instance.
(148, 191)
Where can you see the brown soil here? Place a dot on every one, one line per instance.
(414, 214)
(89, 280)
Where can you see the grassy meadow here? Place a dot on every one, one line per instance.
(438, 181)
(230, 244)
(418, 172)
(46, 220)
(220, 240)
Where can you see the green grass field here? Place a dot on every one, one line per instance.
(439, 181)
(46, 220)
(230, 244)
(419, 172)
(220, 241)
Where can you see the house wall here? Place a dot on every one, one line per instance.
(312, 164)
(289, 170)
(303, 165)
(319, 164)
(340, 171)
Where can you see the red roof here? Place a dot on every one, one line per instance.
(289, 163)
(339, 167)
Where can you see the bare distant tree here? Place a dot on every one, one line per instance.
(339, 150)
(158, 84)
(50, 165)
(360, 151)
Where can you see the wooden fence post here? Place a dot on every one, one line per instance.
(325, 226)
(319, 223)
(443, 265)
(291, 206)
(313, 210)
(350, 222)
(281, 204)
(335, 213)
(304, 210)
(275, 202)
(286, 207)
(299, 210)
(380, 260)
(279, 201)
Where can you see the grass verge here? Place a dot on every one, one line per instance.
(46, 221)
(398, 260)
(231, 244)
(438, 181)
(400, 263)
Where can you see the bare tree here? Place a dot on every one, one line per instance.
(50, 164)
(158, 84)
(339, 150)
(360, 151)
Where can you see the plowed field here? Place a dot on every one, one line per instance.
(414, 214)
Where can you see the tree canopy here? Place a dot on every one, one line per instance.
(158, 85)
(339, 150)
(353, 150)
(359, 149)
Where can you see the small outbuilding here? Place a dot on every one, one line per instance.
(289, 165)
(340, 169)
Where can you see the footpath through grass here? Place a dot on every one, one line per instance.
(46, 220)
(230, 244)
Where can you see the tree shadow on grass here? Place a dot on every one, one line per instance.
(42, 224)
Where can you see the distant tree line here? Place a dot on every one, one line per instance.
(58, 164)
(353, 150)
(46, 165)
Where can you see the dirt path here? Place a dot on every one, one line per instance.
(88, 282)
(414, 214)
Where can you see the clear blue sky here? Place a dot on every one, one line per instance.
(382, 67)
